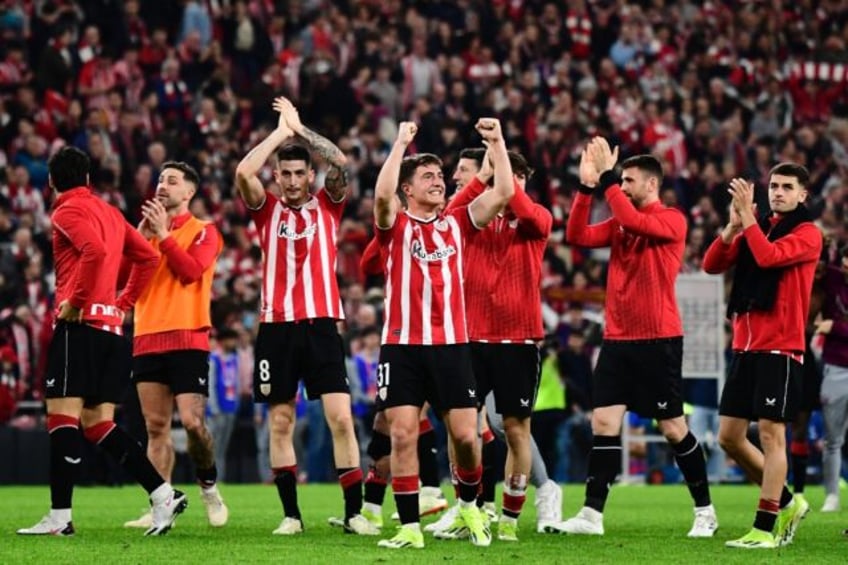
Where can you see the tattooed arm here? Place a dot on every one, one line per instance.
(336, 182)
(247, 182)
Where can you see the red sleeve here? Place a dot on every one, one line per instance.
(262, 214)
(579, 232)
(144, 259)
(188, 265)
(74, 223)
(371, 262)
(666, 225)
(803, 244)
(720, 256)
(467, 194)
(533, 219)
(124, 273)
(335, 208)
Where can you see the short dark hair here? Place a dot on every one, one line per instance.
(68, 168)
(648, 164)
(520, 166)
(476, 154)
(294, 152)
(189, 172)
(412, 162)
(786, 169)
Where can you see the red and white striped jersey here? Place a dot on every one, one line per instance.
(425, 302)
(299, 251)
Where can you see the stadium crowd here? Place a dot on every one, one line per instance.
(716, 90)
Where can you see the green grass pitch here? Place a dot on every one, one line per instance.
(643, 525)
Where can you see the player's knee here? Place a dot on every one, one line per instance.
(772, 437)
(280, 424)
(673, 431)
(193, 425)
(729, 441)
(404, 437)
(603, 425)
(340, 422)
(464, 438)
(516, 432)
(157, 428)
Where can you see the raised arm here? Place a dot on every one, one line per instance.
(386, 206)
(577, 229)
(723, 251)
(188, 265)
(533, 219)
(487, 205)
(802, 245)
(248, 184)
(336, 183)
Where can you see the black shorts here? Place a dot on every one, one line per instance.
(287, 352)
(185, 371)
(409, 375)
(644, 375)
(762, 385)
(511, 371)
(88, 363)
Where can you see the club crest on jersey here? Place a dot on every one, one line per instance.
(417, 250)
(288, 233)
(441, 225)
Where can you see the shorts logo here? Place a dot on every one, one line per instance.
(201, 381)
(525, 402)
(73, 461)
(51, 383)
(472, 393)
(662, 405)
(771, 401)
(265, 389)
(383, 392)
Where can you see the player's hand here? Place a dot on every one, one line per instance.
(742, 193)
(288, 114)
(68, 313)
(603, 157)
(824, 327)
(587, 172)
(144, 229)
(406, 133)
(154, 213)
(735, 220)
(487, 170)
(489, 129)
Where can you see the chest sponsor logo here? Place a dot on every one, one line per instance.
(286, 232)
(419, 252)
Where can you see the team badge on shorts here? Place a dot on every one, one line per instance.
(382, 392)
(265, 389)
